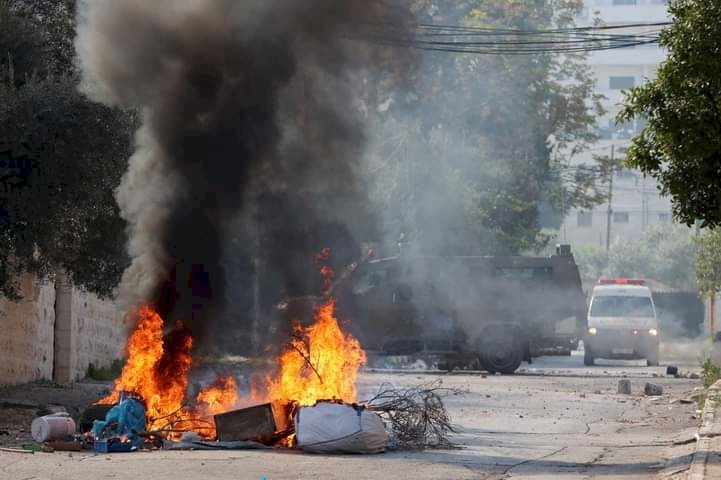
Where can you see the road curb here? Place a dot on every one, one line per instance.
(710, 426)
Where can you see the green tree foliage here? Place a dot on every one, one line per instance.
(708, 263)
(664, 254)
(62, 157)
(681, 144)
(482, 143)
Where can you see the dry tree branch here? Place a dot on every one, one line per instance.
(305, 358)
(417, 416)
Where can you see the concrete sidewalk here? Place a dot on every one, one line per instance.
(706, 463)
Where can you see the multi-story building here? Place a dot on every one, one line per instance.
(635, 202)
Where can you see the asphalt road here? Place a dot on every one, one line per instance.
(556, 419)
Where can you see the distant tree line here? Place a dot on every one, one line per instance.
(664, 253)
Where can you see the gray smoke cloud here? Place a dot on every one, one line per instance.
(237, 98)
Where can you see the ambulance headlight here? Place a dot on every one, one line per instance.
(592, 331)
(653, 332)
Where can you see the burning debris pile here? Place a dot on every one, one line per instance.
(315, 380)
(157, 372)
(309, 402)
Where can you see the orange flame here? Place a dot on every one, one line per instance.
(320, 363)
(157, 370)
(217, 398)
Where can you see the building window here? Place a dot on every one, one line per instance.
(625, 174)
(624, 2)
(664, 217)
(621, 83)
(584, 219)
(620, 217)
(621, 131)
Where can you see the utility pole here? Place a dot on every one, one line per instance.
(644, 204)
(609, 212)
(712, 315)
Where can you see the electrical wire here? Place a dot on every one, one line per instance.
(499, 41)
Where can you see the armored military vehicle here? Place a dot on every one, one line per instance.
(490, 311)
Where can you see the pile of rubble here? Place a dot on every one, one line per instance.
(394, 418)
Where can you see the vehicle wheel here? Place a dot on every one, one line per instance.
(652, 358)
(474, 364)
(447, 364)
(501, 354)
(588, 358)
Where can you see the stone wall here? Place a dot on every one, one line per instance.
(55, 332)
(27, 332)
(98, 333)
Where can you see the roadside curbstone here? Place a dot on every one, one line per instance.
(710, 428)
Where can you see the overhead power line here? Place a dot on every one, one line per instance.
(503, 41)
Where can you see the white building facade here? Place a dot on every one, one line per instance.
(635, 203)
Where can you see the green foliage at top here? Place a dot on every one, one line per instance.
(664, 254)
(708, 263)
(63, 214)
(681, 144)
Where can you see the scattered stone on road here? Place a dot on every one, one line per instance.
(651, 389)
(624, 387)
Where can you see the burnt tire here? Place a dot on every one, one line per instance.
(588, 358)
(500, 354)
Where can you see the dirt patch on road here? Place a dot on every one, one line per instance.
(20, 404)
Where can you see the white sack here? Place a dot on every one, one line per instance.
(337, 428)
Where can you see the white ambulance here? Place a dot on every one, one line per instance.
(621, 322)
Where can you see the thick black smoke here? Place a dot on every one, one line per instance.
(238, 97)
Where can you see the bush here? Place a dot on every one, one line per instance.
(105, 374)
(711, 373)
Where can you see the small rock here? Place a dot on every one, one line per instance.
(624, 387)
(653, 389)
(695, 376)
(597, 392)
(583, 395)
